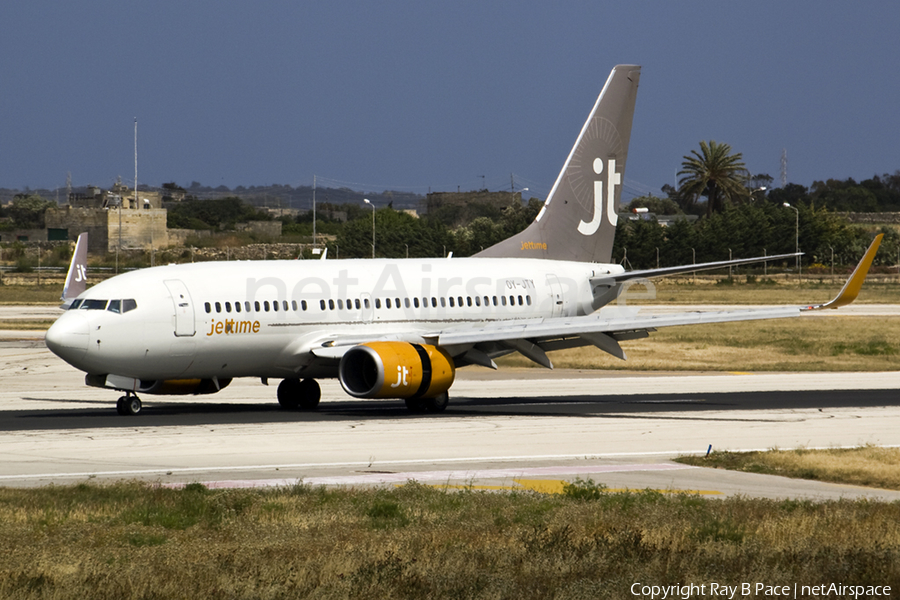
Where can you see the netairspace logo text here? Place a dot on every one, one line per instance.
(764, 590)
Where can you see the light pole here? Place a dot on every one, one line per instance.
(366, 200)
(796, 235)
(759, 189)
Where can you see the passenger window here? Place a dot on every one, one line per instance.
(237, 307)
(452, 304)
(228, 307)
(477, 300)
(377, 302)
(218, 307)
(340, 304)
(406, 302)
(528, 300)
(433, 302)
(366, 302)
(207, 307)
(416, 302)
(247, 305)
(275, 306)
(520, 301)
(468, 300)
(303, 304)
(356, 301)
(256, 305)
(495, 300)
(293, 305)
(322, 304)
(443, 303)
(397, 302)
(503, 300)
(331, 304)
(128, 304)
(266, 305)
(115, 306)
(459, 301)
(284, 305)
(387, 303)
(487, 301)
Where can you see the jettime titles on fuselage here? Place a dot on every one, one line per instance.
(232, 326)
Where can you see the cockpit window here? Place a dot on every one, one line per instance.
(75, 304)
(92, 304)
(128, 304)
(114, 306)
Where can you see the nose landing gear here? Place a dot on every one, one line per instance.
(129, 404)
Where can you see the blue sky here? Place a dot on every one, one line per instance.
(430, 95)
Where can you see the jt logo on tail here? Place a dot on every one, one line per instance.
(615, 179)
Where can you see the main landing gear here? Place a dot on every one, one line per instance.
(129, 404)
(434, 405)
(294, 394)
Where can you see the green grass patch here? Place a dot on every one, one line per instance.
(870, 466)
(140, 541)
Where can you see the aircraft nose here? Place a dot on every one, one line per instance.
(68, 337)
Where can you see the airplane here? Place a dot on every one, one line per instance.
(390, 328)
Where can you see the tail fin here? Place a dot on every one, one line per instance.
(76, 279)
(578, 220)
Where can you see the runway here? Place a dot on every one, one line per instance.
(527, 429)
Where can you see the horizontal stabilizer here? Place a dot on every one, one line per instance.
(663, 272)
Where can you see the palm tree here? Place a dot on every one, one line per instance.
(714, 172)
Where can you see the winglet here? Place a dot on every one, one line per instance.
(851, 289)
(76, 279)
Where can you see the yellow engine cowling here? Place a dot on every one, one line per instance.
(396, 370)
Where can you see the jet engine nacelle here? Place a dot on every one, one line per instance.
(396, 370)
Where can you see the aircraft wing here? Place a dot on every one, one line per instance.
(604, 329)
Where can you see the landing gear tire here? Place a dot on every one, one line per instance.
(438, 403)
(432, 405)
(294, 394)
(128, 405)
(415, 405)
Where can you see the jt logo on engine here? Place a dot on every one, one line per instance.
(614, 180)
(402, 372)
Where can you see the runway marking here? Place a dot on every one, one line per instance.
(383, 463)
(444, 476)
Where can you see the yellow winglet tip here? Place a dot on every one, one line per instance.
(854, 283)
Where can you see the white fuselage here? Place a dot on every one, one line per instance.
(263, 318)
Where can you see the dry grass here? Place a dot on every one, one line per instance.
(804, 344)
(24, 324)
(134, 541)
(870, 466)
(31, 294)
